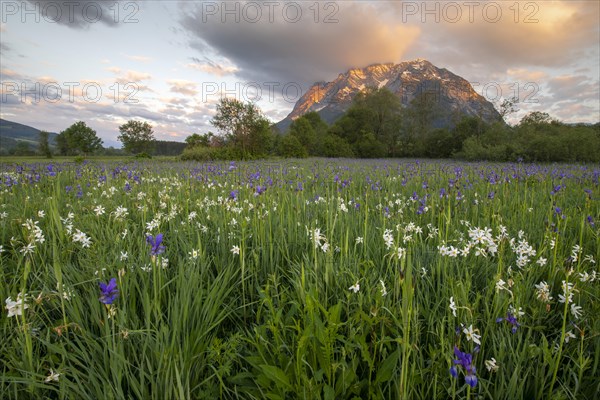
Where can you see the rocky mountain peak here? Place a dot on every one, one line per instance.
(406, 80)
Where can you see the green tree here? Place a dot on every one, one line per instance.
(536, 118)
(44, 145)
(244, 127)
(507, 107)
(376, 112)
(421, 113)
(317, 123)
(199, 140)
(137, 137)
(290, 146)
(22, 149)
(78, 139)
(303, 130)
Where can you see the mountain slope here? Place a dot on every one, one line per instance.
(11, 133)
(406, 80)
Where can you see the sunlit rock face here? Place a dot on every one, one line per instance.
(454, 96)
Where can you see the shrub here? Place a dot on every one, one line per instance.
(143, 155)
(290, 146)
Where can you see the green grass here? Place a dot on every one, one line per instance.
(278, 320)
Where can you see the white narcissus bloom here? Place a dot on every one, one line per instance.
(383, 289)
(575, 310)
(471, 335)
(568, 336)
(235, 250)
(355, 288)
(491, 365)
(52, 377)
(453, 306)
(15, 308)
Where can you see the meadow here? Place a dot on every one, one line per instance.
(309, 279)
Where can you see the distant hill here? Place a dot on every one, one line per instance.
(11, 133)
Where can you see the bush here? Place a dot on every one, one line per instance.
(143, 155)
(290, 146)
(202, 153)
(334, 146)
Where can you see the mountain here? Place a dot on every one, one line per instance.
(11, 133)
(406, 80)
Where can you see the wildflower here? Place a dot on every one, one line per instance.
(155, 242)
(568, 336)
(501, 285)
(453, 306)
(355, 288)
(453, 252)
(575, 310)
(383, 289)
(359, 240)
(109, 291)
(52, 377)
(400, 252)
(193, 254)
(235, 250)
(121, 212)
(541, 261)
(543, 292)
(124, 256)
(471, 335)
(27, 249)
(464, 360)
(568, 292)
(491, 365)
(388, 238)
(15, 308)
(316, 237)
(511, 319)
(590, 221)
(99, 210)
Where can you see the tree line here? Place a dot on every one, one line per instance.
(81, 140)
(378, 126)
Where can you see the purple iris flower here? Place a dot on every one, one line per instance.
(233, 195)
(511, 319)
(157, 247)
(590, 221)
(464, 360)
(109, 291)
(556, 189)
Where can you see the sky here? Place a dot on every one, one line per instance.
(170, 62)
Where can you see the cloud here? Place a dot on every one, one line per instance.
(211, 67)
(514, 35)
(526, 75)
(278, 50)
(573, 88)
(4, 48)
(143, 59)
(135, 76)
(81, 14)
(184, 87)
